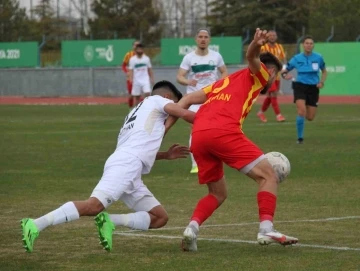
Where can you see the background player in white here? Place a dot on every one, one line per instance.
(199, 69)
(137, 149)
(140, 74)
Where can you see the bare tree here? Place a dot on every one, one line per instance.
(181, 18)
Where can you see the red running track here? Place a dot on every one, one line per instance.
(13, 100)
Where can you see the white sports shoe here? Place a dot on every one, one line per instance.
(275, 237)
(189, 239)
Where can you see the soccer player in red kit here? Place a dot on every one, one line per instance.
(217, 137)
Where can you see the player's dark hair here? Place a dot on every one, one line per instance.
(269, 58)
(307, 37)
(169, 86)
(139, 45)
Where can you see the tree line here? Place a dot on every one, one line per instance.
(335, 20)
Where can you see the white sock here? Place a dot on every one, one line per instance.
(64, 213)
(266, 225)
(193, 162)
(195, 226)
(136, 221)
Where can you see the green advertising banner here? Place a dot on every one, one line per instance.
(342, 64)
(18, 54)
(94, 53)
(174, 50)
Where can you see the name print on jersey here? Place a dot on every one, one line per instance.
(128, 124)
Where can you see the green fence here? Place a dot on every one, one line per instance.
(173, 50)
(18, 54)
(94, 53)
(342, 64)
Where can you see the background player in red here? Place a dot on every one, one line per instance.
(124, 67)
(271, 97)
(217, 137)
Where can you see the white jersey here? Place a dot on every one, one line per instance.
(204, 69)
(143, 130)
(140, 68)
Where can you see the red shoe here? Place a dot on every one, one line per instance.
(261, 116)
(280, 118)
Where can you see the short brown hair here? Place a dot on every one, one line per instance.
(307, 37)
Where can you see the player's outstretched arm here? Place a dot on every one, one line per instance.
(176, 151)
(253, 51)
(130, 74)
(177, 111)
(196, 97)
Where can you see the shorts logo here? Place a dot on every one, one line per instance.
(108, 200)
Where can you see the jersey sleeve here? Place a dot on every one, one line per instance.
(291, 64)
(126, 58)
(282, 54)
(185, 64)
(131, 64)
(148, 63)
(263, 75)
(161, 103)
(220, 61)
(322, 63)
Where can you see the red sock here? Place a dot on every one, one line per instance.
(275, 105)
(204, 209)
(130, 101)
(267, 205)
(265, 104)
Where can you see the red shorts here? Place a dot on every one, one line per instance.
(275, 86)
(129, 86)
(213, 147)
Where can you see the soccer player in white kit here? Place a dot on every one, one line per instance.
(140, 74)
(137, 149)
(199, 69)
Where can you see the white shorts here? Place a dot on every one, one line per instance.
(246, 169)
(194, 107)
(139, 88)
(121, 180)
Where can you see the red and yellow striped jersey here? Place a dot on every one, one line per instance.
(229, 100)
(276, 49)
(127, 57)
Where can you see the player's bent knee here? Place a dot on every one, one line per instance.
(310, 118)
(93, 207)
(159, 217)
(160, 222)
(263, 173)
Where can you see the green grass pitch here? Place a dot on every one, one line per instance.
(52, 154)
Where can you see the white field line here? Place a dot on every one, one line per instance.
(232, 241)
(317, 122)
(73, 131)
(255, 223)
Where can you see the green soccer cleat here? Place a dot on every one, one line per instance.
(29, 233)
(194, 169)
(105, 228)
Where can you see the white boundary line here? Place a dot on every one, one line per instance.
(256, 125)
(255, 223)
(133, 233)
(232, 241)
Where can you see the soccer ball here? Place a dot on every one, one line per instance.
(280, 164)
